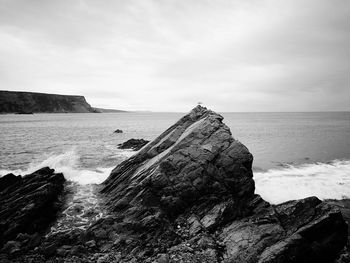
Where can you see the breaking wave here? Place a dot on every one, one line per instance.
(324, 180)
(68, 163)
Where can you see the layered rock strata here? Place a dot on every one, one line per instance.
(28, 205)
(188, 196)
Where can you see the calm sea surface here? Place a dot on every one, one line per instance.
(284, 145)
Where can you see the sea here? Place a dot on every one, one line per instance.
(295, 154)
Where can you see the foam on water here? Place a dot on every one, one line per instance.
(68, 163)
(83, 207)
(324, 180)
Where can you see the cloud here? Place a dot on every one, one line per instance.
(168, 55)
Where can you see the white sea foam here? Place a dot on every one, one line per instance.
(68, 163)
(324, 180)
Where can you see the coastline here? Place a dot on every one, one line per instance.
(139, 226)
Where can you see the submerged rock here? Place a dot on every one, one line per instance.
(28, 205)
(133, 144)
(188, 196)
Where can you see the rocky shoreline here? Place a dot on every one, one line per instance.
(28, 206)
(187, 196)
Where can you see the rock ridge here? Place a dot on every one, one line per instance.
(174, 183)
(188, 196)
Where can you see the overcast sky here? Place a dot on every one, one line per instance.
(166, 55)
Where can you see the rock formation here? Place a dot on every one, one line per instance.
(344, 207)
(133, 144)
(188, 196)
(29, 102)
(28, 205)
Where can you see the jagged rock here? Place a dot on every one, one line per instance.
(344, 206)
(8, 179)
(189, 195)
(28, 205)
(305, 230)
(133, 144)
(196, 158)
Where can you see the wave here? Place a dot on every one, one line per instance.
(68, 163)
(324, 180)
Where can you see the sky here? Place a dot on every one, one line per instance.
(168, 55)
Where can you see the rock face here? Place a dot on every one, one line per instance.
(133, 144)
(344, 206)
(28, 205)
(196, 158)
(29, 102)
(188, 196)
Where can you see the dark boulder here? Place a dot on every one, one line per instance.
(188, 196)
(8, 179)
(118, 131)
(133, 144)
(28, 205)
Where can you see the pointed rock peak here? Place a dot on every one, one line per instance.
(200, 111)
(196, 158)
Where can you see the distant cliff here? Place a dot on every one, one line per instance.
(31, 102)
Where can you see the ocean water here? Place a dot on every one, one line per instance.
(295, 154)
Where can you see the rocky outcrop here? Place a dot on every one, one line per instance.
(194, 159)
(188, 196)
(28, 205)
(133, 144)
(29, 102)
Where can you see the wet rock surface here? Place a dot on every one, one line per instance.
(188, 196)
(28, 205)
(133, 144)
